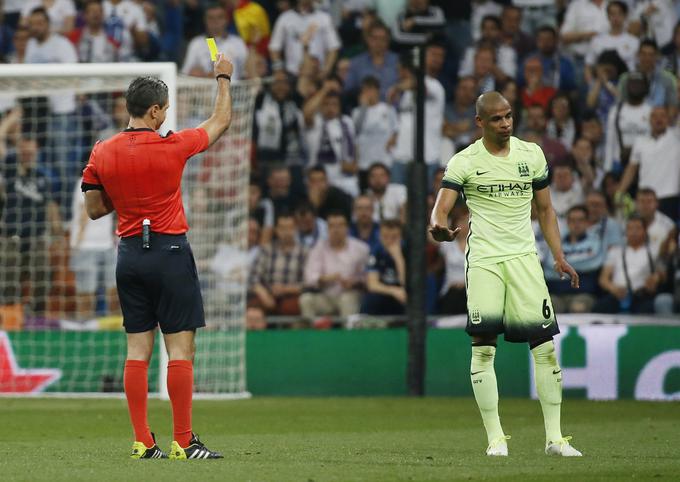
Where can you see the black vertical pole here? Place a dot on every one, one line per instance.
(417, 213)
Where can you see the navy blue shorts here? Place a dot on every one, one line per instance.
(159, 286)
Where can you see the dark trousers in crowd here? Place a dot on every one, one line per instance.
(378, 304)
(24, 263)
(362, 175)
(454, 302)
(642, 303)
(12, 19)
(670, 207)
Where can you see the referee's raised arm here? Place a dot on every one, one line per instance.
(220, 119)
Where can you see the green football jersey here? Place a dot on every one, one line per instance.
(498, 192)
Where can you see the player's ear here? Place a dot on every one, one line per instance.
(478, 121)
(155, 111)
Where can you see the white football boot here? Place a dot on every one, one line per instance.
(562, 448)
(498, 447)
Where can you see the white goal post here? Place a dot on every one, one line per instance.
(57, 317)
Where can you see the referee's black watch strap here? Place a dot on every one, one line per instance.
(91, 187)
(223, 76)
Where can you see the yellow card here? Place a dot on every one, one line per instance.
(212, 46)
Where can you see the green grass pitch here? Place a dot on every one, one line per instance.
(339, 439)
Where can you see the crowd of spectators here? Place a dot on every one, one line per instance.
(593, 82)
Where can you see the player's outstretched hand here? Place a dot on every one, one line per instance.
(562, 268)
(223, 65)
(443, 233)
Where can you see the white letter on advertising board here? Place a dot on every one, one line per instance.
(649, 384)
(600, 374)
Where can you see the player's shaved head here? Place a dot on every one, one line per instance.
(490, 102)
(494, 117)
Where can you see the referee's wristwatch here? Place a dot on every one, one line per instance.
(223, 76)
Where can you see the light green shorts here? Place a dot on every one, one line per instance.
(510, 297)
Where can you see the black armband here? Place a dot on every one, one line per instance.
(91, 187)
(223, 76)
(542, 184)
(451, 185)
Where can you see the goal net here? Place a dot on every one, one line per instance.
(60, 322)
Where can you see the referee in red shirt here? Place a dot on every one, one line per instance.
(138, 173)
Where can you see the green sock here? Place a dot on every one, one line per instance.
(548, 375)
(484, 386)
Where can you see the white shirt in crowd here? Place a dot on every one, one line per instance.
(228, 264)
(128, 11)
(659, 162)
(637, 262)
(7, 102)
(338, 135)
(533, 3)
(584, 16)
(506, 60)
(658, 231)
(633, 122)
(625, 44)
(55, 49)
(434, 119)
(58, 12)
(198, 54)
(567, 134)
(374, 126)
(390, 205)
(268, 207)
(563, 200)
(288, 29)
(120, 18)
(12, 6)
(98, 234)
(357, 5)
(100, 48)
(320, 233)
(660, 23)
(349, 262)
(481, 9)
(388, 10)
(454, 264)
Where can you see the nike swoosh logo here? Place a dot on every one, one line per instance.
(480, 173)
(475, 373)
(546, 325)
(556, 372)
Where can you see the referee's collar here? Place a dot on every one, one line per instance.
(139, 129)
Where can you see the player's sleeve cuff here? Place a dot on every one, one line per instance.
(452, 185)
(85, 186)
(542, 184)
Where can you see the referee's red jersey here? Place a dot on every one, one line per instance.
(141, 172)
